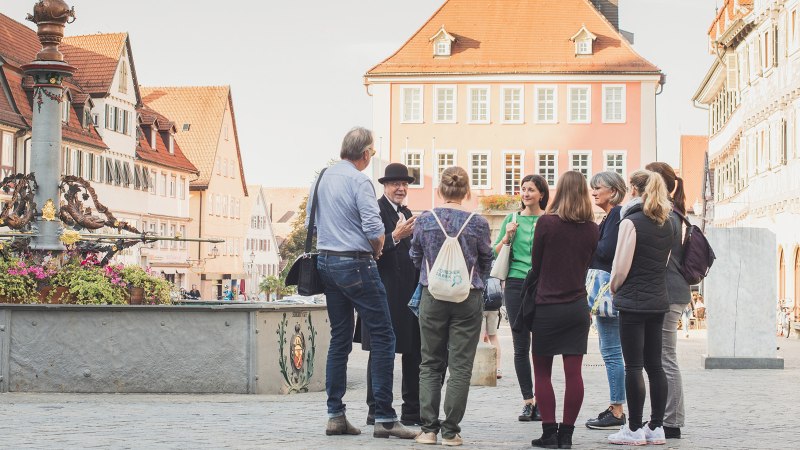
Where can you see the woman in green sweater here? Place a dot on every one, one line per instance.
(517, 229)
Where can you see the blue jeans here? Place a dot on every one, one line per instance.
(355, 283)
(611, 350)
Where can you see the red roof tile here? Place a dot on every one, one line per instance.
(161, 155)
(515, 36)
(96, 56)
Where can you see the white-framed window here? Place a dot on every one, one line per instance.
(512, 171)
(413, 159)
(137, 177)
(173, 181)
(546, 99)
(76, 162)
(182, 188)
(581, 161)
(583, 47)
(88, 166)
(513, 104)
(579, 104)
(98, 169)
(411, 104)
(444, 100)
(65, 109)
(163, 184)
(479, 170)
(172, 229)
(162, 231)
(217, 165)
(616, 161)
(182, 244)
(478, 100)
(442, 47)
(153, 182)
(547, 166)
(444, 159)
(123, 76)
(614, 103)
(171, 144)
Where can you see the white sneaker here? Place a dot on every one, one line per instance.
(655, 437)
(627, 437)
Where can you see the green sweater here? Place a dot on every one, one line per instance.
(521, 245)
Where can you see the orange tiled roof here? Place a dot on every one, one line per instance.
(512, 37)
(18, 43)
(161, 155)
(730, 11)
(693, 150)
(203, 107)
(96, 56)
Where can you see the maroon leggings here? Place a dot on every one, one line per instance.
(573, 391)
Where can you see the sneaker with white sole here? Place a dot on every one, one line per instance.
(426, 438)
(655, 437)
(627, 437)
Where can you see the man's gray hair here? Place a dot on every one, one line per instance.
(355, 142)
(613, 181)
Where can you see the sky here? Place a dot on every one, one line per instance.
(296, 67)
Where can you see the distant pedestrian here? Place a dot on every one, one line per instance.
(679, 296)
(227, 295)
(686, 318)
(350, 237)
(194, 294)
(608, 191)
(639, 286)
(517, 230)
(563, 243)
(399, 278)
(449, 330)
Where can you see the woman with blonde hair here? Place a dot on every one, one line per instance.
(563, 243)
(638, 282)
(449, 330)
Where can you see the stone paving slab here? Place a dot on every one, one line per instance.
(754, 409)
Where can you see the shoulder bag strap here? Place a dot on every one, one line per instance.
(312, 220)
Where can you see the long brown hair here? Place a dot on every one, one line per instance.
(655, 199)
(673, 182)
(571, 202)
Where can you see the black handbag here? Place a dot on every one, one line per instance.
(304, 273)
(492, 295)
(527, 309)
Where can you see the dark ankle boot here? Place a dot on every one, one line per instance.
(549, 437)
(565, 435)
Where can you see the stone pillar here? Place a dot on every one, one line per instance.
(740, 294)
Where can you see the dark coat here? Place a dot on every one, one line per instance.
(400, 279)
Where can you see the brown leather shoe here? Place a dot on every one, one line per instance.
(340, 425)
(383, 430)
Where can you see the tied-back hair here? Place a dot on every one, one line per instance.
(541, 186)
(572, 202)
(673, 182)
(655, 199)
(454, 184)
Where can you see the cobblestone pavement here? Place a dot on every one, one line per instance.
(725, 409)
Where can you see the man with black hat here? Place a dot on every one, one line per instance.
(400, 279)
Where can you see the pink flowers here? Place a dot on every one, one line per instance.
(36, 271)
(114, 273)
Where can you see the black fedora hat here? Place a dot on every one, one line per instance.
(396, 172)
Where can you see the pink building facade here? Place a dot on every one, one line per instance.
(581, 104)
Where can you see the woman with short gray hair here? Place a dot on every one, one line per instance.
(608, 191)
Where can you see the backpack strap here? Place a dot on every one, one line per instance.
(465, 224)
(683, 218)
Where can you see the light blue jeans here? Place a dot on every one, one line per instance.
(611, 350)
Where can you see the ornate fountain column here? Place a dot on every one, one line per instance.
(48, 72)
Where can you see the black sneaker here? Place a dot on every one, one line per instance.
(672, 433)
(370, 419)
(530, 413)
(606, 421)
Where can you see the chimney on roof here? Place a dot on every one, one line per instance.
(610, 9)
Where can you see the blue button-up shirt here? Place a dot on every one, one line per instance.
(347, 215)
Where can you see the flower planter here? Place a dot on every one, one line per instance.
(54, 295)
(136, 296)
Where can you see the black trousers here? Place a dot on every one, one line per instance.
(640, 336)
(522, 341)
(410, 364)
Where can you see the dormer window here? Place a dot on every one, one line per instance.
(171, 144)
(65, 109)
(584, 40)
(153, 137)
(442, 43)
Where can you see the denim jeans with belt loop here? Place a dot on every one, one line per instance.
(354, 282)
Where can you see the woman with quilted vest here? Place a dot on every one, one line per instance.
(639, 285)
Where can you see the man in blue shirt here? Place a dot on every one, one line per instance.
(350, 237)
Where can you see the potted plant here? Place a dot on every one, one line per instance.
(146, 287)
(500, 202)
(17, 285)
(91, 285)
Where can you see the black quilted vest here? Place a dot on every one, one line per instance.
(645, 288)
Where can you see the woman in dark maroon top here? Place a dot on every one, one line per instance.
(563, 244)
